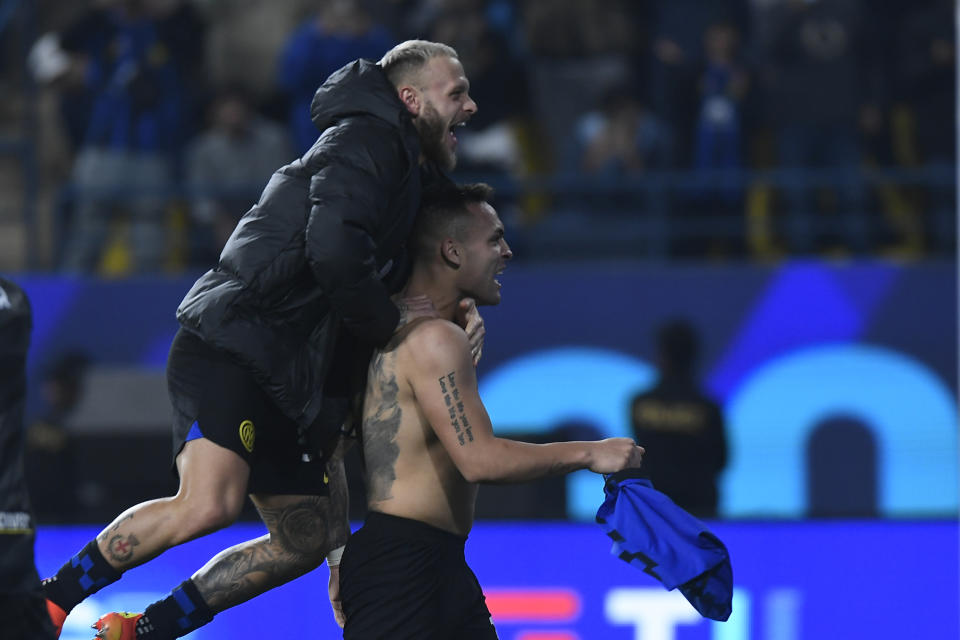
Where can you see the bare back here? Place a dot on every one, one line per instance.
(409, 472)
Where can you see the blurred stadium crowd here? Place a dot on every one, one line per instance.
(138, 131)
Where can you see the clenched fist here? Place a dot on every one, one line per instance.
(614, 454)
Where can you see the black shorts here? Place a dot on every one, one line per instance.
(214, 397)
(402, 578)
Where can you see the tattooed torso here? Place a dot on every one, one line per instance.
(408, 472)
(381, 421)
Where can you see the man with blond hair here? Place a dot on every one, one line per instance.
(274, 342)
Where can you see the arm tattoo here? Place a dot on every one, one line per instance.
(381, 421)
(451, 398)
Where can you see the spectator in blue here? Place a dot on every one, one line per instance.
(723, 82)
(676, 29)
(723, 85)
(133, 135)
(340, 32)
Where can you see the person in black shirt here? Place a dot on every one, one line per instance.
(680, 427)
(22, 611)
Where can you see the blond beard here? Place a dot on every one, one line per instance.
(432, 137)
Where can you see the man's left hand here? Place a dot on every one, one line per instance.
(469, 318)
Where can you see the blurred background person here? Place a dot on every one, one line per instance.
(48, 440)
(622, 137)
(613, 202)
(339, 32)
(671, 63)
(576, 51)
(723, 83)
(227, 166)
(821, 94)
(132, 62)
(22, 607)
(923, 88)
(496, 140)
(681, 428)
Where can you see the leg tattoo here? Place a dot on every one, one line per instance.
(302, 531)
(250, 568)
(120, 548)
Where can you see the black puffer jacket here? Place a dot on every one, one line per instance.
(305, 262)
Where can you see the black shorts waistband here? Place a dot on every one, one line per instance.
(397, 526)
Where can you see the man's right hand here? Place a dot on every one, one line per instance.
(472, 323)
(614, 454)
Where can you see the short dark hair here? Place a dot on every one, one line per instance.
(444, 212)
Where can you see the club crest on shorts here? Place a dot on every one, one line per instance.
(247, 435)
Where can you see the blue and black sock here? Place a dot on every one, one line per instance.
(83, 575)
(176, 615)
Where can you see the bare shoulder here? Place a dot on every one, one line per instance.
(436, 329)
(435, 341)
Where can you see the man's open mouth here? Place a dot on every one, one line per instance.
(453, 136)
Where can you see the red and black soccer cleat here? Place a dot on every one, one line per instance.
(57, 616)
(117, 626)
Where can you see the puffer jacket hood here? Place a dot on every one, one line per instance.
(301, 293)
(360, 87)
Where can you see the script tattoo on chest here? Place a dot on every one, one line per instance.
(451, 398)
(381, 421)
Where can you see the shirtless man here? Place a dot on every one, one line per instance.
(428, 442)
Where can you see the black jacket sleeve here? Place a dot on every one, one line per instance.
(358, 174)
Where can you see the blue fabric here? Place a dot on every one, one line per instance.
(92, 578)
(183, 600)
(194, 432)
(653, 534)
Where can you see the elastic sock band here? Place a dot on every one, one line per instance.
(333, 558)
(83, 575)
(176, 615)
